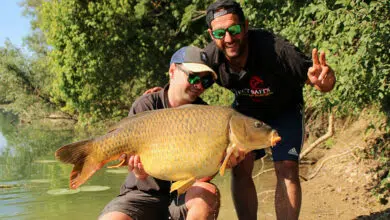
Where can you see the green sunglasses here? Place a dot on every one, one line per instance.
(233, 30)
(193, 79)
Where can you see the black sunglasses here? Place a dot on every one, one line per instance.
(193, 78)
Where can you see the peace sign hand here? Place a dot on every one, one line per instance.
(320, 75)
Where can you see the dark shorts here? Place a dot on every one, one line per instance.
(141, 205)
(290, 127)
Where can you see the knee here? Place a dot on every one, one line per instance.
(203, 197)
(287, 169)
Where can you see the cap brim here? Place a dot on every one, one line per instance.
(198, 67)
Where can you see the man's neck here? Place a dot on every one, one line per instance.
(173, 100)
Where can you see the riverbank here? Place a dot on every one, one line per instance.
(339, 179)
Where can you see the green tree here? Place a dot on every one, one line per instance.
(25, 83)
(355, 35)
(94, 58)
(104, 54)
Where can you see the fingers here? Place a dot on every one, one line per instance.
(314, 56)
(312, 71)
(324, 73)
(134, 163)
(320, 69)
(232, 162)
(131, 163)
(316, 61)
(136, 167)
(322, 59)
(154, 89)
(241, 156)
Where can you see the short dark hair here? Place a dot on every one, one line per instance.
(229, 6)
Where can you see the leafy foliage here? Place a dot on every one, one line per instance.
(106, 53)
(25, 86)
(355, 35)
(96, 57)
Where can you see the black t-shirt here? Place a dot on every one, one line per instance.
(272, 79)
(152, 101)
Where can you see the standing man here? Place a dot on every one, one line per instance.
(144, 197)
(267, 75)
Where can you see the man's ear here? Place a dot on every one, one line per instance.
(171, 71)
(246, 26)
(210, 33)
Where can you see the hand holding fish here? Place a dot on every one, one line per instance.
(134, 165)
(320, 75)
(154, 89)
(234, 160)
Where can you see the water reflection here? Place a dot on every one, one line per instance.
(28, 171)
(3, 142)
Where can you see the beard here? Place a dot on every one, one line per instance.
(236, 49)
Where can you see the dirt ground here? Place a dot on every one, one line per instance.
(340, 188)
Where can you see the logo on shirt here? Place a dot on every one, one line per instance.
(258, 89)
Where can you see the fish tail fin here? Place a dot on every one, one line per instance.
(79, 154)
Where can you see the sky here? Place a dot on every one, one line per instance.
(13, 25)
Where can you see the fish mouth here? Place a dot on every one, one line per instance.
(275, 138)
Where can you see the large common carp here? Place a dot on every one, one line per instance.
(177, 144)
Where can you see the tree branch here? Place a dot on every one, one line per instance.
(311, 176)
(321, 139)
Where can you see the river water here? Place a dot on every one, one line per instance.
(31, 181)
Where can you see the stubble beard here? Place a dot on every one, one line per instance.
(191, 95)
(238, 53)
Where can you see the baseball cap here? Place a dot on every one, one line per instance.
(193, 59)
(227, 6)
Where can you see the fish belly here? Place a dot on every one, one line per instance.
(178, 161)
(180, 143)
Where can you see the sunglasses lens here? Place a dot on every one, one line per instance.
(235, 29)
(207, 81)
(219, 33)
(193, 79)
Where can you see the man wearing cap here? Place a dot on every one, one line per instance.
(145, 197)
(266, 74)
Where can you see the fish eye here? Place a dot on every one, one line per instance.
(258, 124)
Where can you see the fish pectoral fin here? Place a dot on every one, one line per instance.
(118, 165)
(122, 159)
(182, 185)
(229, 151)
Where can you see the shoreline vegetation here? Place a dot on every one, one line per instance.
(86, 67)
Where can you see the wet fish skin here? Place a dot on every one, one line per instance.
(176, 144)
